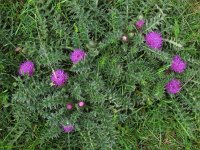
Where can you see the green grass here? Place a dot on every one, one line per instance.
(148, 119)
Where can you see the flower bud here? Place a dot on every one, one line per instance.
(124, 38)
(81, 104)
(69, 106)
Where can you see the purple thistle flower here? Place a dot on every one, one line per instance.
(81, 104)
(68, 128)
(27, 67)
(173, 86)
(154, 40)
(77, 55)
(59, 77)
(69, 106)
(178, 64)
(139, 24)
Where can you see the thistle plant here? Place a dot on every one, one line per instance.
(90, 85)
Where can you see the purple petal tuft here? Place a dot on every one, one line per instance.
(59, 77)
(77, 55)
(154, 40)
(178, 64)
(27, 67)
(68, 128)
(173, 86)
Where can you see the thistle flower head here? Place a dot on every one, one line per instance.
(59, 77)
(173, 86)
(27, 67)
(68, 128)
(139, 24)
(154, 40)
(77, 55)
(178, 64)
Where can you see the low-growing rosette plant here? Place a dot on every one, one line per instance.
(97, 92)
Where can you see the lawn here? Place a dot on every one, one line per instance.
(100, 74)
